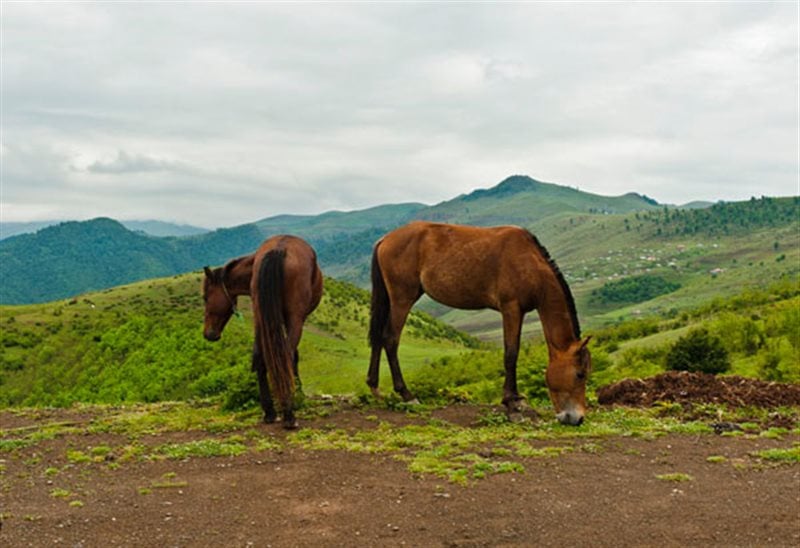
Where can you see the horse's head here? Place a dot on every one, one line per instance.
(220, 305)
(566, 377)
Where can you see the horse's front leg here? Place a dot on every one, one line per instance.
(512, 328)
(264, 395)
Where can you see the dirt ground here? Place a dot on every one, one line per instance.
(686, 387)
(298, 497)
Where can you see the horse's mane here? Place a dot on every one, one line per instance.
(576, 327)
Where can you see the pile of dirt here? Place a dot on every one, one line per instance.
(685, 387)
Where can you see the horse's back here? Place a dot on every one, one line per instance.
(457, 265)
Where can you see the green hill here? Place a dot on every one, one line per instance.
(143, 342)
(594, 239)
(72, 258)
(75, 257)
(524, 201)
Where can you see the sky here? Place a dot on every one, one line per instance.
(219, 114)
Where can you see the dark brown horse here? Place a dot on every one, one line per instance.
(503, 268)
(285, 285)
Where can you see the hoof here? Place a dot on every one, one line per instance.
(517, 405)
(413, 401)
(269, 419)
(291, 424)
(517, 417)
(376, 393)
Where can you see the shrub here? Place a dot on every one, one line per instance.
(699, 351)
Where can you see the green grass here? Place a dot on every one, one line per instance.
(143, 343)
(788, 455)
(427, 446)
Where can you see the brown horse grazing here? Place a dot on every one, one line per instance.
(285, 284)
(504, 268)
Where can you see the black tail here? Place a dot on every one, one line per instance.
(379, 310)
(271, 324)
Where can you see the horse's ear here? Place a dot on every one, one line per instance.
(209, 274)
(585, 342)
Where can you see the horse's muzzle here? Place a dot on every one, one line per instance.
(212, 335)
(571, 418)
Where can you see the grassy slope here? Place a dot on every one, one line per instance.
(143, 342)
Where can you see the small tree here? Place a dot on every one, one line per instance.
(699, 351)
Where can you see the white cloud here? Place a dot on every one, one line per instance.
(236, 112)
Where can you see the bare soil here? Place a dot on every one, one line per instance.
(689, 388)
(296, 497)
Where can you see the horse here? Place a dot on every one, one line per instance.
(284, 283)
(504, 268)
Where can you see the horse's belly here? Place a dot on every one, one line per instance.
(457, 292)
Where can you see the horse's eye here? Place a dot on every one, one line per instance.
(581, 375)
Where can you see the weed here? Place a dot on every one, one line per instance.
(60, 493)
(76, 504)
(716, 459)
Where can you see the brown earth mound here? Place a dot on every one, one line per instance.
(685, 387)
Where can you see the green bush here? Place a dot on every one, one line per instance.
(698, 351)
(635, 289)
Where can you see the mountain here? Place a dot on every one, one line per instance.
(577, 227)
(162, 229)
(152, 228)
(337, 223)
(13, 229)
(522, 200)
(74, 257)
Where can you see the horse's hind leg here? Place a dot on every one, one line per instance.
(374, 371)
(398, 317)
(264, 395)
(294, 332)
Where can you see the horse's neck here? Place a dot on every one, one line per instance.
(237, 278)
(557, 321)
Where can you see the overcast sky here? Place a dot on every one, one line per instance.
(217, 114)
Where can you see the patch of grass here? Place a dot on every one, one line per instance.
(676, 477)
(76, 504)
(267, 444)
(10, 445)
(60, 493)
(716, 459)
(774, 433)
(78, 457)
(170, 484)
(790, 454)
(151, 419)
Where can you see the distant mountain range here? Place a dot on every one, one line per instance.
(70, 258)
(152, 228)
